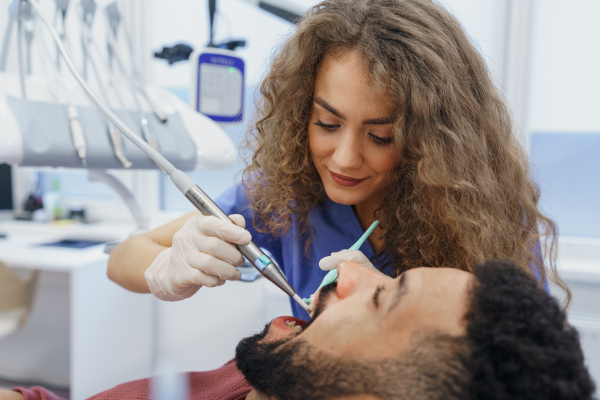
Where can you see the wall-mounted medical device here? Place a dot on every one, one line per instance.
(217, 84)
(217, 72)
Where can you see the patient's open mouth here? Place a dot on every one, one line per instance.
(287, 325)
(318, 301)
(292, 325)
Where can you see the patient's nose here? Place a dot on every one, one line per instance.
(353, 277)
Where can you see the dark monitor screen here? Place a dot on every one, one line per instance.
(6, 202)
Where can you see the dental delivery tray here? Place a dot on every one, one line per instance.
(36, 131)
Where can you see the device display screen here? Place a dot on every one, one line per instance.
(220, 87)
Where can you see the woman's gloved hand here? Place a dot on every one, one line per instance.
(330, 262)
(202, 254)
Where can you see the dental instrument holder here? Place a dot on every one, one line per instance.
(191, 191)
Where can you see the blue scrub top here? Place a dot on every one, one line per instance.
(337, 228)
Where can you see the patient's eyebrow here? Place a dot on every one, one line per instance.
(401, 290)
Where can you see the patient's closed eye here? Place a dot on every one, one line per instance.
(376, 296)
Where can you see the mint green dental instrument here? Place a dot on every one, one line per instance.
(333, 274)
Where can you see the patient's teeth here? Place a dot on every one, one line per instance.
(291, 324)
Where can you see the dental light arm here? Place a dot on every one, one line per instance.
(24, 19)
(282, 8)
(113, 15)
(13, 12)
(191, 191)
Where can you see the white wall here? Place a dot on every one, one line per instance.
(483, 23)
(187, 21)
(564, 89)
(565, 79)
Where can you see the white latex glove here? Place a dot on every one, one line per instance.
(330, 262)
(202, 254)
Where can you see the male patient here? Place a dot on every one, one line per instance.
(428, 334)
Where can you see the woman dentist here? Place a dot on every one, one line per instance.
(372, 109)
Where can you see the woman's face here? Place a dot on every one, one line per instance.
(350, 133)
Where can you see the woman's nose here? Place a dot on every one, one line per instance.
(353, 277)
(348, 153)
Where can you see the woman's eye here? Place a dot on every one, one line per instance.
(381, 140)
(327, 127)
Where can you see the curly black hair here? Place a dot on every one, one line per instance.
(521, 345)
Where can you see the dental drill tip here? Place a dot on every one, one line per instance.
(302, 303)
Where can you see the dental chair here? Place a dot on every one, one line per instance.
(16, 298)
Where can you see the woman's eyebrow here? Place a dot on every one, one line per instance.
(375, 121)
(401, 290)
(380, 121)
(329, 107)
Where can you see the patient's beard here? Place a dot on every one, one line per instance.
(290, 371)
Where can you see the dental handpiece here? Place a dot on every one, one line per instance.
(251, 251)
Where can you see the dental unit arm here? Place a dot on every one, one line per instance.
(191, 191)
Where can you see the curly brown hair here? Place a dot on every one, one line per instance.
(462, 193)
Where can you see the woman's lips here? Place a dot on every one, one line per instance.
(345, 180)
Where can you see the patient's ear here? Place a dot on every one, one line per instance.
(10, 395)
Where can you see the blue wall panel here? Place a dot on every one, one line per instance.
(566, 166)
